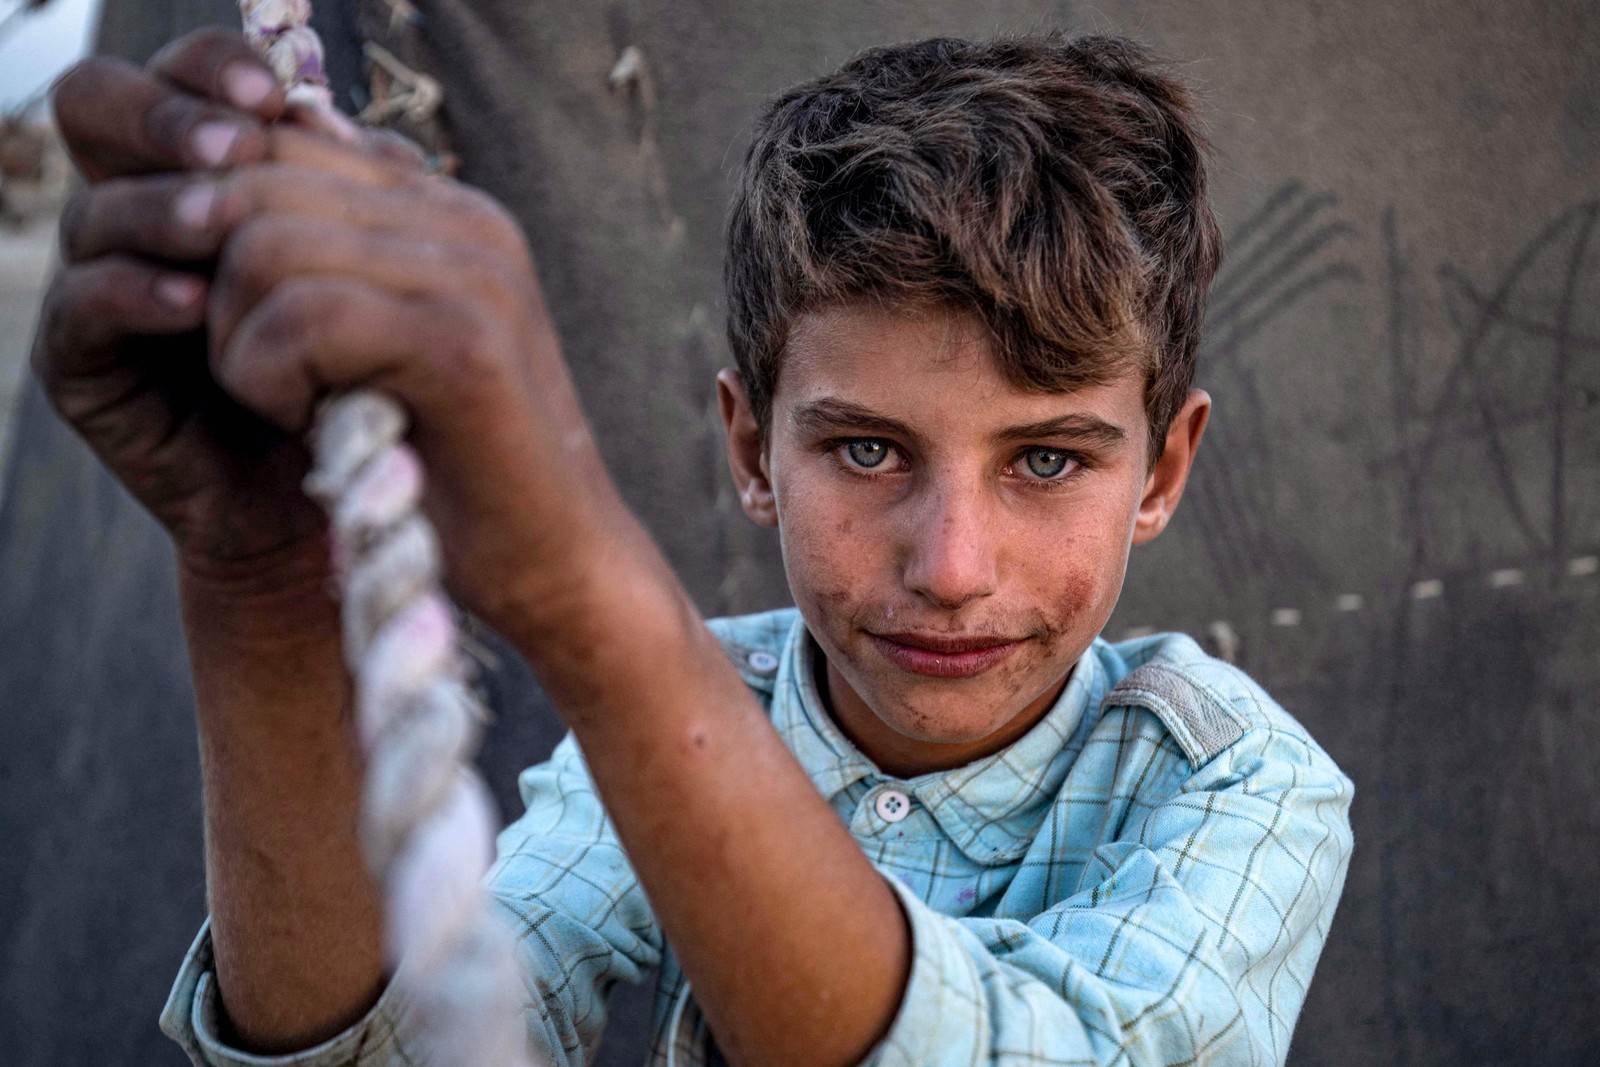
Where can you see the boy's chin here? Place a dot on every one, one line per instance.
(948, 720)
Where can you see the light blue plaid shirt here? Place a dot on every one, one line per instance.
(1146, 877)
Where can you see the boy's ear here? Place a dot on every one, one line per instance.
(1164, 487)
(747, 456)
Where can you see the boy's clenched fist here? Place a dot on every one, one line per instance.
(224, 272)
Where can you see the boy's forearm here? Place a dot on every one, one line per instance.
(295, 920)
(796, 947)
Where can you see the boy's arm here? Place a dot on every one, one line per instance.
(120, 354)
(295, 919)
(582, 926)
(797, 948)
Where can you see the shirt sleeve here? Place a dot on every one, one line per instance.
(578, 913)
(193, 1013)
(1192, 938)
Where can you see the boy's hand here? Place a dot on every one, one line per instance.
(122, 351)
(338, 271)
(120, 348)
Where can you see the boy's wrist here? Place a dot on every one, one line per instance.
(272, 600)
(264, 650)
(600, 622)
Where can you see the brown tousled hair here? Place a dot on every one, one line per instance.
(1055, 186)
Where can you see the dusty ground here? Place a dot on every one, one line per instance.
(25, 259)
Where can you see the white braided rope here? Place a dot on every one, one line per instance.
(427, 822)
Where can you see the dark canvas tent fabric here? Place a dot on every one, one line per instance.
(1393, 523)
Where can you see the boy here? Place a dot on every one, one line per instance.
(926, 818)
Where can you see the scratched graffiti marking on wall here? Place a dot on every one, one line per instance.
(1480, 427)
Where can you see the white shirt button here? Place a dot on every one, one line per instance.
(761, 661)
(892, 805)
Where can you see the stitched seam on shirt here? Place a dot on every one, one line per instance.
(1203, 725)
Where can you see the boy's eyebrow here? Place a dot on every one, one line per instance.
(1085, 427)
(831, 415)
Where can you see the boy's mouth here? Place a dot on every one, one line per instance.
(944, 655)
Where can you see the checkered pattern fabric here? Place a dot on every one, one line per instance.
(1146, 877)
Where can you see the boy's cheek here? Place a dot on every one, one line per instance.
(830, 552)
(1082, 601)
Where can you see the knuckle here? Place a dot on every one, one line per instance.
(245, 357)
(243, 194)
(70, 83)
(249, 260)
(167, 121)
(77, 100)
(283, 144)
(104, 288)
(295, 319)
(72, 230)
(491, 221)
(129, 214)
(406, 179)
(395, 147)
(398, 158)
(486, 206)
(137, 214)
(487, 278)
(48, 338)
(94, 298)
(266, 367)
(464, 347)
(81, 84)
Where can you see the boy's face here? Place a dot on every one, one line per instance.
(953, 542)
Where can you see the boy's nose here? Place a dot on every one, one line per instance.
(949, 549)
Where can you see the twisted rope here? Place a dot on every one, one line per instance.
(427, 823)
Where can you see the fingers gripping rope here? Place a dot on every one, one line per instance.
(427, 824)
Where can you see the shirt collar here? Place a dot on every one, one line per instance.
(992, 808)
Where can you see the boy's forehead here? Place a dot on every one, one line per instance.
(818, 337)
(929, 365)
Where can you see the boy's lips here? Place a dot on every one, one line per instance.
(944, 655)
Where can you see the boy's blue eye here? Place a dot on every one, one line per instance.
(1046, 462)
(867, 453)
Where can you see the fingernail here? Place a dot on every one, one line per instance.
(192, 206)
(246, 86)
(179, 290)
(213, 141)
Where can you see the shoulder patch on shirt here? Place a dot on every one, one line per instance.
(1202, 725)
